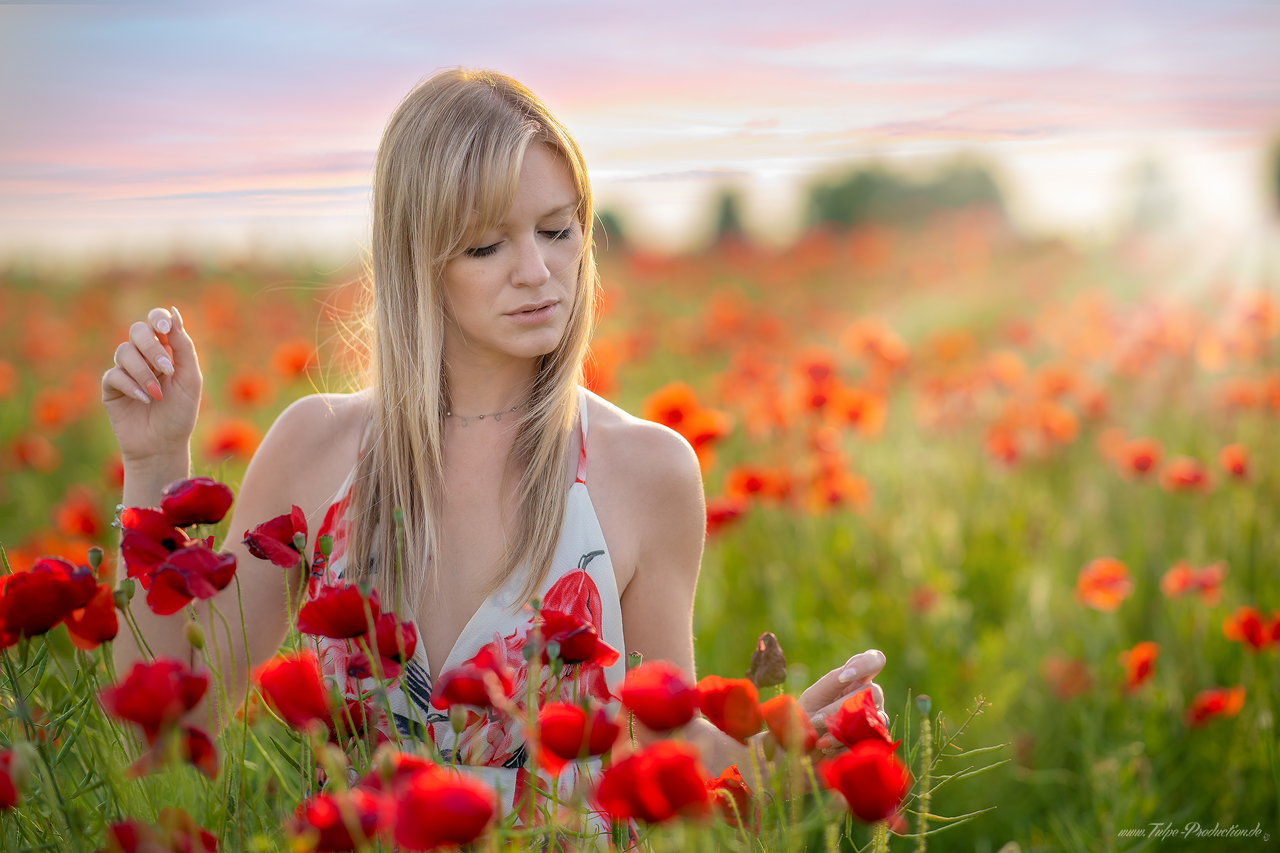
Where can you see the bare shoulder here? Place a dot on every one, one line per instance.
(646, 487)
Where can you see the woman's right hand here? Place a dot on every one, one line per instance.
(152, 394)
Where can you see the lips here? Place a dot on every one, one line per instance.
(535, 313)
(532, 307)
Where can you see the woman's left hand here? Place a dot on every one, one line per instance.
(829, 692)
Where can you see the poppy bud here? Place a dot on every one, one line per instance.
(557, 666)
(924, 705)
(457, 719)
(325, 545)
(95, 557)
(299, 542)
(535, 603)
(120, 598)
(553, 650)
(634, 659)
(194, 634)
(528, 652)
(768, 663)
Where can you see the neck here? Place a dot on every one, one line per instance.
(484, 386)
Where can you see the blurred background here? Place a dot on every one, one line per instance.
(971, 312)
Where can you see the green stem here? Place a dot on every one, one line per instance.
(926, 795)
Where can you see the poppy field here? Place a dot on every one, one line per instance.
(1040, 478)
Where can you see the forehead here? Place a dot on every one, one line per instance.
(545, 186)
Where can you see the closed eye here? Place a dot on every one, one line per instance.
(559, 235)
(482, 251)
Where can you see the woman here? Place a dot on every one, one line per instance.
(515, 482)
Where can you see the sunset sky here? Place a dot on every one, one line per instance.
(236, 125)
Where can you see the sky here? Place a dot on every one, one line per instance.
(135, 127)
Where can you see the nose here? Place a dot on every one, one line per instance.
(530, 268)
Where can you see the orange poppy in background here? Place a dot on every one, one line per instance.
(78, 514)
(52, 409)
(1001, 444)
(1139, 457)
(600, 369)
(1103, 584)
(8, 379)
(1215, 702)
(1183, 579)
(113, 472)
(670, 405)
(723, 511)
(1007, 368)
(757, 481)
(873, 341)
(1249, 627)
(293, 358)
(1055, 421)
(1067, 677)
(865, 410)
(1139, 664)
(1110, 442)
(1184, 474)
(249, 388)
(1056, 380)
(232, 437)
(1234, 459)
(834, 486)
(35, 451)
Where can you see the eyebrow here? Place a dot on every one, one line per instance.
(564, 208)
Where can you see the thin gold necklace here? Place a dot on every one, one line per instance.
(497, 416)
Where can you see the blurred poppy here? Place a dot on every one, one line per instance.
(671, 405)
(576, 638)
(391, 768)
(1139, 456)
(338, 820)
(731, 704)
(1067, 677)
(293, 358)
(113, 472)
(1249, 627)
(723, 511)
(789, 725)
(8, 379)
(292, 687)
(194, 747)
(438, 809)
(1103, 584)
(660, 695)
(1223, 702)
(33, 450)
(861, 409)
(857, 719)
(570, 733)
(1184, 474)
(655, 784)
(232, 437)
(757, 481)
(1139, 664)
(175, 831)
(1182, 579)
(274, 539)
(870, 777)
(78, 514)
(1234, 459)
(248, 388)
(482, 681)
(1007, 368)
(52, 409)
(33, 601)
(1002, 445)
(155, 695)
(9, 795)
(338, 611)
(732, 798)
(195, 571)
(198, 500)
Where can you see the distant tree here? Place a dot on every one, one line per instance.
(728, 215)
(607, 231)
(874, 194)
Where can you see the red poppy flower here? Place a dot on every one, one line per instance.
(294, 358)
(1248, 626)
(96, 622)
(1139, 456)
(1139, 664)
(355, 718)
(1216, 702)
(870, 778)
(78, 514)
(577, 638)
(482, 681)
(232, 437)
(1103, 584)
(732, 797)
(436, 809)
(8, 786)
(155, 695)
(326, 821)
(1067, 677)
(656, 784)
(1184, 474)
(273, 540)
(660, 695)
(338, 611)
(1234, 459)
(195, 571)
(1182, 579)
(292, 687)
(194, 747)
(33, 601)
(176, 832)
(788, 724)
(723, 511)
(148, 541)
(731, 704)
(858, 719)
(400, 768)
(394, 641)
(199, 500)
(569, 733)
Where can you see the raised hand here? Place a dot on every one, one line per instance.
(829, 692)
(152, 394)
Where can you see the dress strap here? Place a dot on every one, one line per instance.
(582, 423)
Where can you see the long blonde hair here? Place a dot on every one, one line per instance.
(447, 170)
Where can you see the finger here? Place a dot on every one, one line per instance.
(819, 718)
(116, 383)
(862, 667)
(131, 362)
(184, 349)
(143, 337)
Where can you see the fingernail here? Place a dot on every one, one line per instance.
(163, 327)
(176, 313)
(165, 364)
(141, 395)
(817, 718)
(850, 674)
(154, 389)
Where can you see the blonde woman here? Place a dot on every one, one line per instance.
(515, 482)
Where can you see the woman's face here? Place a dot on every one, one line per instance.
(511, 293)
